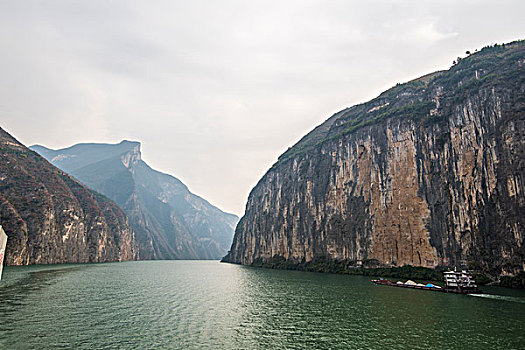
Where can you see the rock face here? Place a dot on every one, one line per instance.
(169, 221)
(430, 173)
(51, 218)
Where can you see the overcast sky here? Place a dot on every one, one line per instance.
(217, 90)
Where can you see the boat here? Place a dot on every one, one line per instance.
(455, 282)
(3, 243)
(460, 282)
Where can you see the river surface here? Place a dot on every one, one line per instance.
(209, 305)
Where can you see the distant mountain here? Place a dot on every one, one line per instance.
(51, 218)
(170, 222)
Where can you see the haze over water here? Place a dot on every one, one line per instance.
(208, 305)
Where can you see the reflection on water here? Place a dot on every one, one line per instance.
(199, 304)
(16, 286)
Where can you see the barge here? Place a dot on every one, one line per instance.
(456, 282)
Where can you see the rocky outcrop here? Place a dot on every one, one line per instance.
(51, 218)
(430, 173)
(169, 221)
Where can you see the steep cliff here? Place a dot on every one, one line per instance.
(430, 173)
(51, 218)
(169, 221)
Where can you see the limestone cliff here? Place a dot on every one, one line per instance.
(430, 173)
(51, 218)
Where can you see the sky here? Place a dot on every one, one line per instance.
(216, 90)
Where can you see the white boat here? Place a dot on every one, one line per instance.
(460, 282)
(3, 243)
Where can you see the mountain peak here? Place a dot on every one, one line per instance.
(131, 144)
(133, 155)
(82, 154)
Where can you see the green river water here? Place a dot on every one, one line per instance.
(209, 305)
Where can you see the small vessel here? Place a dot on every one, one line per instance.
(456, 282)
(3, 243)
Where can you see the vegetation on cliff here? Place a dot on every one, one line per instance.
(493, 66)
(368, 268)
(373, 268)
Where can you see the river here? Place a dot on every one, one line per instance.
(209, 305)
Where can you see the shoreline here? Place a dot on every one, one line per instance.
(345, 267)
